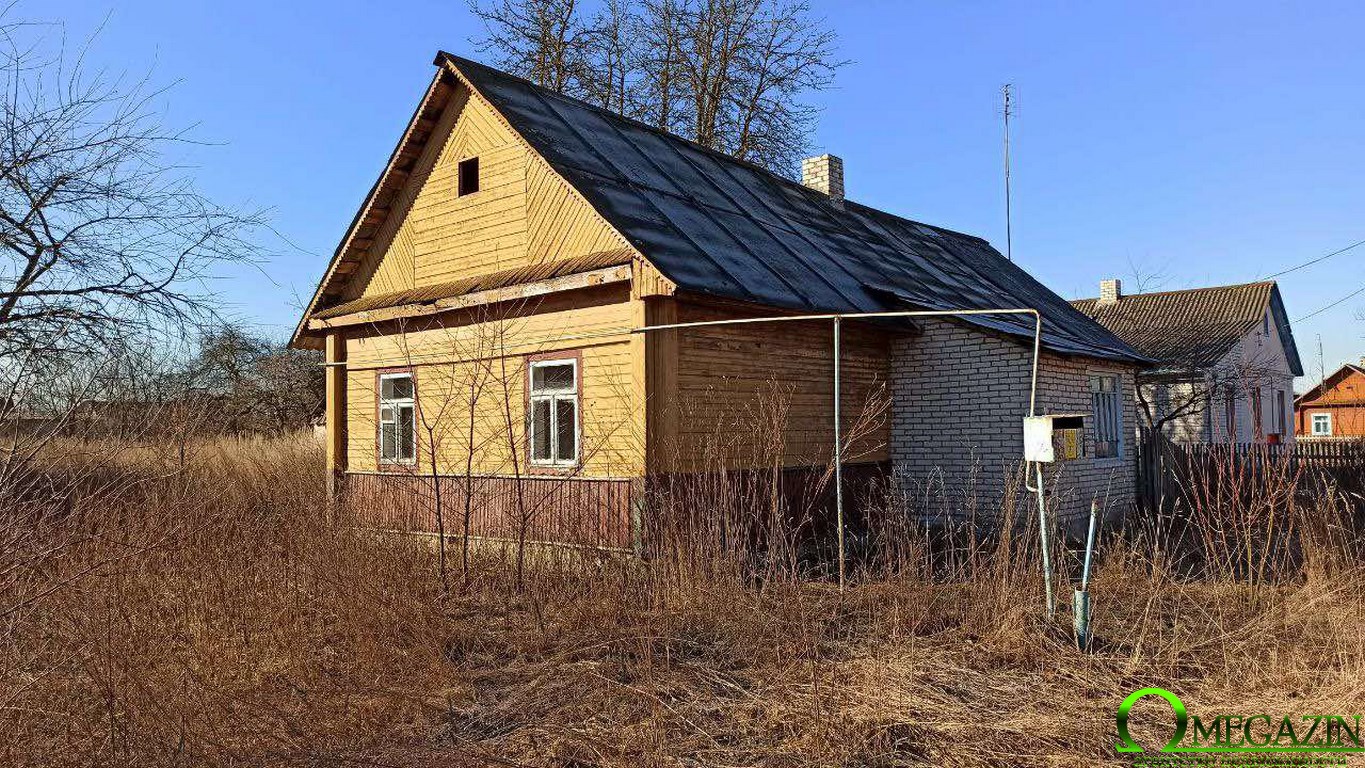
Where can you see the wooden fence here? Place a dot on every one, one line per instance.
(1167, 472)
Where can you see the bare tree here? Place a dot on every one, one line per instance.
(245, 383)
(543, 41)
(1147, 276)
(729, 74)
(102, 236)
(611, 75)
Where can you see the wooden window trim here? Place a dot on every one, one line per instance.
(400, 467)
(532, 468)
(1097, 419)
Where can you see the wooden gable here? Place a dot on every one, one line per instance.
(522, 215)
(1345, 386)
(415, 231)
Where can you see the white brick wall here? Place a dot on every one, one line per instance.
(959, 397)
(1257, 361)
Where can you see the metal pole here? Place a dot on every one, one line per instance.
(1044, 540)
(1080, 601)
(838, 460)
(1090, 544)
(838, 457)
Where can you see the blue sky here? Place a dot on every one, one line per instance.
(1213, 143)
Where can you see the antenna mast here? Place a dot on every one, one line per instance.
(1009, 235)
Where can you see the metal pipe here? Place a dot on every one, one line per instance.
(1090, 544)
(838, 459)
(836, 318)
(1037, 329)
(1080, 601)
(1045, 541)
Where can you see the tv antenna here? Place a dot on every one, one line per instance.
(1009, 234)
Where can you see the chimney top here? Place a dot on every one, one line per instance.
(1111, 291)
(825, 174)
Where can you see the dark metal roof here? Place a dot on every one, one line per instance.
(1193, 329)
(722, 227)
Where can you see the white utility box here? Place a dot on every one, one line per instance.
(1055, 437)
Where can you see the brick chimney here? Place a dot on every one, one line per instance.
(825, 174)
(1111, 291)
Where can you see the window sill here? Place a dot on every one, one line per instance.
(554, 469)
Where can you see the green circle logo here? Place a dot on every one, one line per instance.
(1177, 706)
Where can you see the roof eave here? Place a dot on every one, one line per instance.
(302, 338)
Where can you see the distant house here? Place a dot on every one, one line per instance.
(1226, 359)
(522, 239)
(1335, 408)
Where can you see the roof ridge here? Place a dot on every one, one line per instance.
(1256, 283)
(793, 183)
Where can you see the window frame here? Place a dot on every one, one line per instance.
(396, 403)
(574, 394)
(462, 174)
(1326, 417)
(1281, 413)
(1113, 418)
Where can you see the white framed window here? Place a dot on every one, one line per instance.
(1281, 413)
(1322, 424)
(397, 419)
(1106, 403)
(553, 427)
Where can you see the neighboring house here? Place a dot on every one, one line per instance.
(1226, 359)
(518, 239)
(1335, 407)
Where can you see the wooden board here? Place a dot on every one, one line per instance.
(471, 357)
(523, 213)
(749, 395)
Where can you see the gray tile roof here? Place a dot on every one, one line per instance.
(721, 227)
(1193, 329)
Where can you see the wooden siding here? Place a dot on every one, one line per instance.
(748, 395)
(1344, 400)
(487, 348)
(523, 213)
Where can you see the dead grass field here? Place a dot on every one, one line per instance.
(207, 609)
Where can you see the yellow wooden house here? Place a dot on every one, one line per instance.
(483, 318)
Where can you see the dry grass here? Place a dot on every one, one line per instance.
(209, 610)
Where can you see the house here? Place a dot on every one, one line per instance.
(1226, 359)
(481, 320)
(1335, 407)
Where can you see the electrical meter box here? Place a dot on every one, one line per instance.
(1058, 437)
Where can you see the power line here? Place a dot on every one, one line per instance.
(1339, 301)
(1317, 260)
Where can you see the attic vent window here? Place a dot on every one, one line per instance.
(469, 177)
